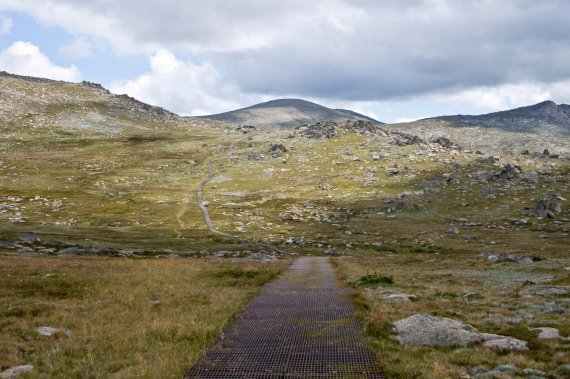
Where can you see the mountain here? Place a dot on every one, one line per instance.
(286, 113)
(546, 114)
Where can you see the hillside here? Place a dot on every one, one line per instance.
(546, 114)
(286, 113)
(36, 105)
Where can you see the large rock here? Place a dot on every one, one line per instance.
(543, 290)
(506, 344)
(426, 330)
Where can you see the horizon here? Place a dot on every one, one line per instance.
(390, 61)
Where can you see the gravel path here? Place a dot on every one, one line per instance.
(302, 325)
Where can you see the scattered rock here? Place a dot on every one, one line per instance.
(404, 139)
(479, 370)
(262, 257)
(399, 298)
(545, 290)
(502, 257)
(277, 150)
(534, 372)
(245, 129)
(331, 252)
(443, 142)
(325, 187)
(509, 171)
(426, 330)
(506, 344)
(402, 203)
(168, 256)
(14, 372)
(256, 157)
(73, 250)
(6, 245)
(503, 368)
(453, 230)
(545, 208)
(29, 239)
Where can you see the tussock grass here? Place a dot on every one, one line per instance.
(466, 288)
(145, 318)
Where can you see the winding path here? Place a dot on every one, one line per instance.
(302, 325)
(209, 223)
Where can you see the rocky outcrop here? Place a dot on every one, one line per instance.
(364, 128)
(320, 130)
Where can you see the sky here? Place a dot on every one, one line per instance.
(394, 60)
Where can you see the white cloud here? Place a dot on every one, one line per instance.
(508, 96)
(407, 119)
(183, 87)
(6, 25)
(25, 58)
(79, 48)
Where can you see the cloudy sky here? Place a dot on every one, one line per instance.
(392, 59)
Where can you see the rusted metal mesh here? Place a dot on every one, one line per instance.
(302, 325)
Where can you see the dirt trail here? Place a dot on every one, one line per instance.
(208, 220)
(302, 325)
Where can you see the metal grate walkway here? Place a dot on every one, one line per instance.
(302, 325)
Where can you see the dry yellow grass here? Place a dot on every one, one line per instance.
(126, 318)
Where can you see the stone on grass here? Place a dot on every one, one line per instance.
(46, 331)
(426, 330)
(546, 333)
(14, 372)
(506, 344)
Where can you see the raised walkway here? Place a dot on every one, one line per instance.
(302, 325)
